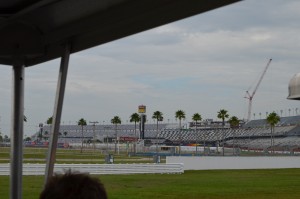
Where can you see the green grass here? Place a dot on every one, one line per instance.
(68, 156)
(225, 184)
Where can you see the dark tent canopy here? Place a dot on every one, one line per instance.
(36, 30)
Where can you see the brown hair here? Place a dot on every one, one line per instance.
(73, 186)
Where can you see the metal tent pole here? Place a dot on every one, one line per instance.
(16, 150)
(60, 91)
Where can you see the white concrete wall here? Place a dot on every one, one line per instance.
(210, 163)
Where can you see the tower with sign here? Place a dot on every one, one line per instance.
(142, 112)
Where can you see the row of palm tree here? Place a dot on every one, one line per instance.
(116, 120)
(272, 119)
(222, 114)
(135, 117)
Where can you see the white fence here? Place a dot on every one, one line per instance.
(39, 169)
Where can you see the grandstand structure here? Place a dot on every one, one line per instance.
(254, 135)
(102, 133)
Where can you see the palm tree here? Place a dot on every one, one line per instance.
(222, 114)
(272, 119)
(65, 134)
(116, 120)
(49, 120)
(180, 114)
(158, 116)
(234, 123)
(197, 117)
(135, 117)
(81, 122)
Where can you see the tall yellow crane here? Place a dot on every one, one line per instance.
(250, 96)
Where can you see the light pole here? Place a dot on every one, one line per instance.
(94, 141)
(106, 127)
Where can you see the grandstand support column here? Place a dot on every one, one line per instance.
(16, 150)
(223, 141)
(233, 142)
(249, 140)
(60, 91)
(204, 143)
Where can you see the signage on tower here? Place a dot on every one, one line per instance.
(142, 109)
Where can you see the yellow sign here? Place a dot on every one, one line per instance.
(142, 109)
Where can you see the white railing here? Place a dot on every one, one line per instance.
(39, 169)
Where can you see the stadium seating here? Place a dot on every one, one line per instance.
(254, 134)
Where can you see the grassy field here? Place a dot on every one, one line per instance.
(38, 155)
(225, 184)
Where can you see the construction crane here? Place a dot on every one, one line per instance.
(250, 96)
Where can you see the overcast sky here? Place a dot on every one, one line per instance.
(199, 65)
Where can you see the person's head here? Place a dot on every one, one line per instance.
(73, 186)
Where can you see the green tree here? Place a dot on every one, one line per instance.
(180, 114)
(234, 122)
(6, 138)
(158, 116)
(116, 120)
(49, 120)
(81, 122)
(272, 119)
(135, 117)
(223, 114)
(65, 134)
(196, 117)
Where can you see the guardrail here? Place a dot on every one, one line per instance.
(39, 169)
